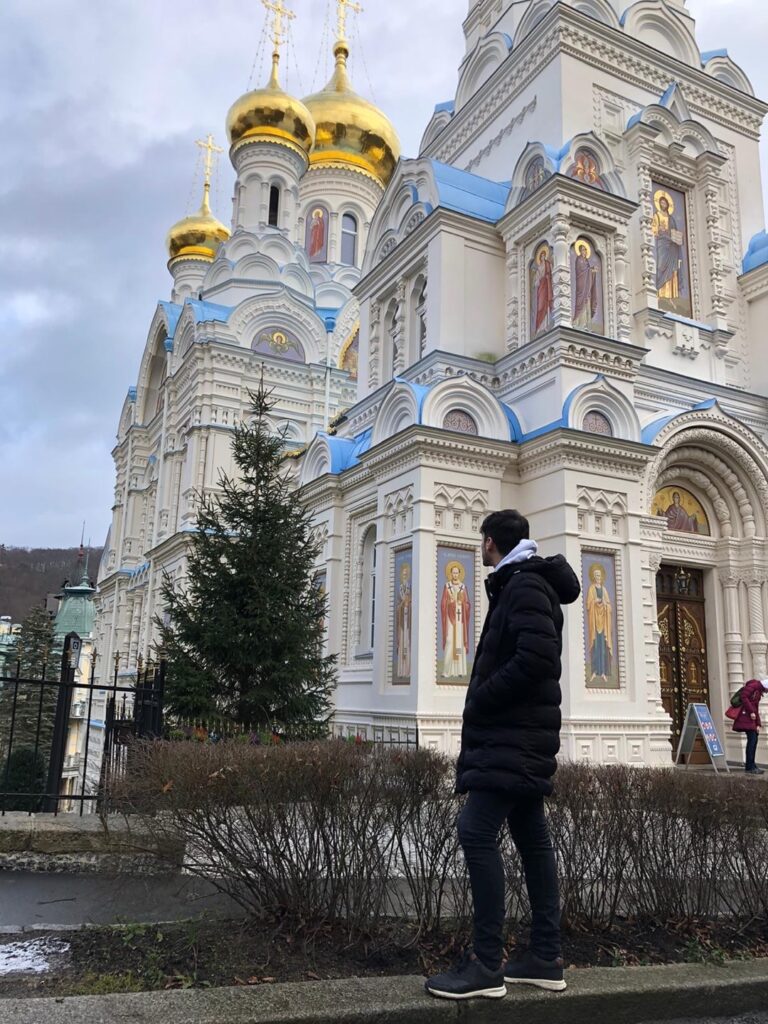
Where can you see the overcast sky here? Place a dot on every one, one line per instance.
(100, 104)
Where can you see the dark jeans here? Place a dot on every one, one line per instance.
(752, 738)
(480, 824)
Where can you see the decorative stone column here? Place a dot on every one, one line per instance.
(398, 331)
(623, 321)
(734, 643)
(758, 643)
(513, 300)
(709, 165)
(374, 344)
(561, 271)
(640, 140)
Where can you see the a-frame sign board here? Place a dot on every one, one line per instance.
(698, 719)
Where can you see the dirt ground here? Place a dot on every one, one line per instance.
(239, 952)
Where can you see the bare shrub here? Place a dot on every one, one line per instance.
(329, 832)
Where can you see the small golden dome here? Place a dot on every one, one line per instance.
(271, 114)
(197, 237)
(350, 130)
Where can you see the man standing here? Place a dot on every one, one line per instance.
(510, 737)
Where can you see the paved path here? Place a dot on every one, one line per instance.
(40, 900)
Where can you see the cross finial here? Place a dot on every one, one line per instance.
(279, 11)
(341, 17)
(210, 148)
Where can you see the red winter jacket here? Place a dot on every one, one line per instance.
(750, 703)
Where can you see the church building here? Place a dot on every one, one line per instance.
(557, 306)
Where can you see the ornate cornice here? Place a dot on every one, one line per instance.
(565, 30)
(572, 449)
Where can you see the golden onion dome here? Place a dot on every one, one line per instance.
(198, 236)
(271, 114)
(351, 131)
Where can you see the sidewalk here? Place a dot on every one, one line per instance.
(624, 995)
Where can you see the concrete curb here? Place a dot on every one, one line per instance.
(630, 995)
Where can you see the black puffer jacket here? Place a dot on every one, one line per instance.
(511, 730)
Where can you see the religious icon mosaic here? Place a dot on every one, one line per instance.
(455, 614)
(670, 232)
(601, 640)
(317, 234)
(535, 175)
(586, 287)
(402, 616)
(682, 510)
(279, 343)
(350, 354)
(542, 290)
(586, 168)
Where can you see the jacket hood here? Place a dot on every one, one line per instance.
(558, 574)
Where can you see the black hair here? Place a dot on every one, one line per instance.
(506, 529)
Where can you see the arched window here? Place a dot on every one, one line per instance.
(460, 422)
(596, 422)
(274, 205)
(368, 594)
(349, 240)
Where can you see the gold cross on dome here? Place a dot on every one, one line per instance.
(279, 11)
(210, 148)
(341, 16)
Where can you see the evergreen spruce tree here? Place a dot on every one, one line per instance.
(244, 631)
(33, 648)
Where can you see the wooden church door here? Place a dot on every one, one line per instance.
(683, 644)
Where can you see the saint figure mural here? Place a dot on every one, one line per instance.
(542, 290)
(403, 618)
(599, 627)
(317, 235)
(586, 287)
(668, 226)
(455, 617)
(677, 517)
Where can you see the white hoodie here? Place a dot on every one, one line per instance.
(525, 549)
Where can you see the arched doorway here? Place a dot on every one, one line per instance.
(683, 665)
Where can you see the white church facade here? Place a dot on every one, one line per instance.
(560, 306)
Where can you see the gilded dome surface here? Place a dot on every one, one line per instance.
(270, 113)
(197, 236)
(350, 130)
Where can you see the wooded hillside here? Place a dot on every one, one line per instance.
(28, 575)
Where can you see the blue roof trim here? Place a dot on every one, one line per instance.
(650, 432)
(757, 252)
(132, 393)
(206, 311)
(168, 345)
(172, 313)
(546, 429)
(708, 55)
(515, 430)
(448, 105)
(420, 392)
(469, 193)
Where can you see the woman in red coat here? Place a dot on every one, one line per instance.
(748, 720)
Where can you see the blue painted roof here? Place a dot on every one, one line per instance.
(327, 313)
(469, 193)
(707, 55)
(206, 311)
(345, 452)
(757, 252)
(652, 430)
(515, 430)
(420, 392)
(172, 313)
(448, 105)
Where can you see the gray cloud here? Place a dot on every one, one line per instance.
(100, 103)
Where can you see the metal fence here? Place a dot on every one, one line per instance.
(64, 740)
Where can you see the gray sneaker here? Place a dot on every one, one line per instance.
(532, 970)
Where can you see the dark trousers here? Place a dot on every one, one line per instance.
(752, 738)
(480, 824)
